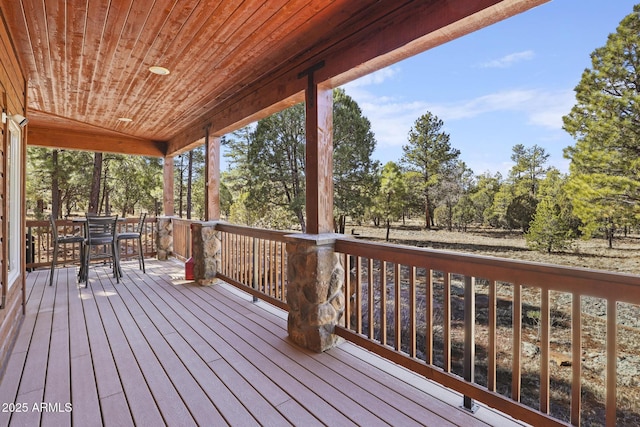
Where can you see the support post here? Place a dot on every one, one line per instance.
(315, 291)
(315, 276)
(319, 154)
(164, 238)
(206, 251)
(212, 177)
(167, 187)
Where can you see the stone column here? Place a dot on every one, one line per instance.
(206, 251)
(164, 238)
(315, 291)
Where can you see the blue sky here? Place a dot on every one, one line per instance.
(507, 84)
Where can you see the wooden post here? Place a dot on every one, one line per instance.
(319, 155)
(167, 193)
(212, 178)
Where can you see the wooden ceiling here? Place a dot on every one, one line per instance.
(231, 62)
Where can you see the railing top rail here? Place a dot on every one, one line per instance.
(260, 233)
(583, 281)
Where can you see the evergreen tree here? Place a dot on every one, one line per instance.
(553, 227)
(515, 202)
(354, 171)
(483, 195)
(428, 152)
(268, 164)
(389, 202)
(605, 121)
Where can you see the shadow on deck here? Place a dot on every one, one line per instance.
(158, 350)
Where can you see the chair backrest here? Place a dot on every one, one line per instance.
(54, 227)
(101, 230)
(143, 216)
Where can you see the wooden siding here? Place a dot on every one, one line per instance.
(156, 350)
(12, 98)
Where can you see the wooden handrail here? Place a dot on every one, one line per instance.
(375, 272)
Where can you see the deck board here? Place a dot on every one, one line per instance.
(157, 350)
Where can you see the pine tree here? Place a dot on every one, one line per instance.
(429, 152)
(605, 161)
(553, 227)
(389, 202)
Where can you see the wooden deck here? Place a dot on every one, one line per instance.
(157, 350)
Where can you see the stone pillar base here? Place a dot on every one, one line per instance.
(315, 291)
(206, 251)
(164, 238)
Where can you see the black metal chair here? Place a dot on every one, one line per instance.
(61, 240)
(136, 235)
(101, 232)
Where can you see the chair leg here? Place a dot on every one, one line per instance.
(141, 255)
(87, 258)
(116, 262)
(53, 263)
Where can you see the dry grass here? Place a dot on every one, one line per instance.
(592, 254)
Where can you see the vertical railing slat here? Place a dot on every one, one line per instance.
(612, 363)
(347, 290)
(370, 298)
(447, 321)
(383, 304)
(493, 330)
(398, 306)
(358, 295)
(469, 336)
(544, 351)
(517, 342)
(412, 308)
(429, 316)
(576, 363)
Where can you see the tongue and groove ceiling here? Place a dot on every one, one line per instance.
(231, 62)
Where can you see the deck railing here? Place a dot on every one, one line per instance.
(526, 338)
(40, 244)
(545, 344)
(182, 238)
(255, 260)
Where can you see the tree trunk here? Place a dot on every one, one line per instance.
(427, 212)
(94, 196)
(300, 216)
(189, 180)
(388, 230)
(55, 188)
(181, 189)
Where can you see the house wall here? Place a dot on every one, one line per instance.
(12, 100)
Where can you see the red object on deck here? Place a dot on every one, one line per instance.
(188, 269)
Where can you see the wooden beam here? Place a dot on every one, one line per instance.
(213, 179)
(167, 187)
(394, 33)
(319, 156)
(90, 141)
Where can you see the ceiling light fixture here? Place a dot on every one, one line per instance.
(161, 71)
(125, 119)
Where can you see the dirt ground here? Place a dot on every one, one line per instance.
(624, 257)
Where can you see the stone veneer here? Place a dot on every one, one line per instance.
(164, 238)
(315, 291)
(206, 251)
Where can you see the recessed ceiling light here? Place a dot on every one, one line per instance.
(125, 119)
(161, 71)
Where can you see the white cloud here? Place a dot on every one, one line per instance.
(392, 118)
(375, 78)
(508, 60)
